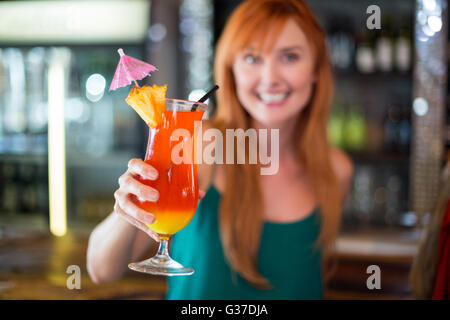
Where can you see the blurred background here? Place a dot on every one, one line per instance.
(59, 121)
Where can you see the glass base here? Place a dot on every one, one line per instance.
(161, 265)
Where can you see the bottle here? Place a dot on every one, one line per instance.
(393, 202)
(342, 44)
(365, 55)
(391, 128)
(403, 47)
(363, 190)
(404, 127)
(355, 129)
(385, 47)
(336, 125)
(42, 189)
(27, 188)
(36, 109)
(15, 114)
(375, 134)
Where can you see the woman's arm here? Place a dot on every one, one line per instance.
(343, 167)
(112, 245)
(121, 237)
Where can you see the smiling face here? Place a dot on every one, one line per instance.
(275, 85)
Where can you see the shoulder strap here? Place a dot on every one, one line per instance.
(213, 174)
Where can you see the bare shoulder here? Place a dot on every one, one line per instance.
(343, 167)
(204, 170)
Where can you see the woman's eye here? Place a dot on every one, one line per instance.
(251, 59)
(290, 57)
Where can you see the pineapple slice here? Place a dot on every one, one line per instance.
(149, 103)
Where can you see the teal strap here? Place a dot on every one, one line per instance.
(213, 175)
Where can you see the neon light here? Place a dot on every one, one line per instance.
(56, 150)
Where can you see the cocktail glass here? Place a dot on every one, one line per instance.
(171, 141)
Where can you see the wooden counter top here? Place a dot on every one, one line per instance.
(33, 266)
(392, 250)
(384, 244)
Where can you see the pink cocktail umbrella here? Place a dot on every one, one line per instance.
(129, 70)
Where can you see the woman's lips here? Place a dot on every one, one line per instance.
(273, 99)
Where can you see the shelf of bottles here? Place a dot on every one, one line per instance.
(370, 117)
(100, 129)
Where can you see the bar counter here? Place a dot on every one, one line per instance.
(33, 265)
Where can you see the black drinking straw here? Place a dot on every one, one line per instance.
(205, 97)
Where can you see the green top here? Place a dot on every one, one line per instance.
(286, 258)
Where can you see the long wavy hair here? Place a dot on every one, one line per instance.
(241, 213)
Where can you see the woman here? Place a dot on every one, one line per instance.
(253, 236)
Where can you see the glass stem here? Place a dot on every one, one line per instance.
(163, 249)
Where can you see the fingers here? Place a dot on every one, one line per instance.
(129, 184)
(201, 194)
(139, 167)
(130, 188)
(123, 199)
(138, 224)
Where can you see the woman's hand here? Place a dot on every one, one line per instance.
(130, 187)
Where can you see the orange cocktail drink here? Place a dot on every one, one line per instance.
(170, 150)
(177, 182)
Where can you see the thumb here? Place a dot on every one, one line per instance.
(201, 194)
